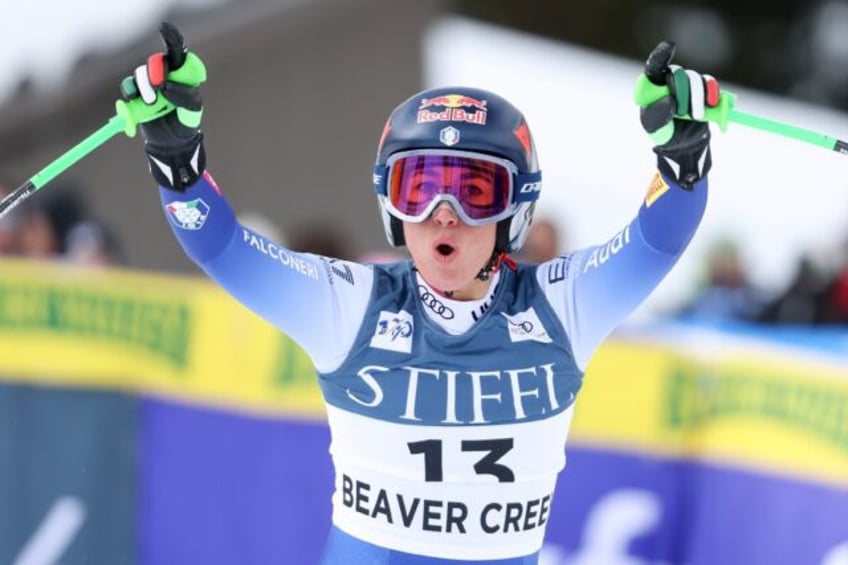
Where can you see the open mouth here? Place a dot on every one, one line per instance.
(444, 249)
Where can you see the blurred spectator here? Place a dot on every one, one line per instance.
(835, 301)
(54, 225)
(726, 292)
(49, 217)
(9, 235)
(10, 225)
(817, 293)
(543, 242)
(803, 299)
(92, 243)
(39, 236)
(321, 238)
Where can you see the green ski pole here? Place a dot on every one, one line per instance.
(647, 92)
(128, 115)
(126, 119)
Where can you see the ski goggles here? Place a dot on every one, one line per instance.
(480, 188)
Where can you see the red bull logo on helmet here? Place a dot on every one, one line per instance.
(452, 108)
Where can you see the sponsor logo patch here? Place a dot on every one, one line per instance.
(658, 188)
(189, 215)
(449, 136)
(452, 108)
(602, 253)
(526, 326)
(558, 269)
(433, 302)
(393, 332)
(341, 270)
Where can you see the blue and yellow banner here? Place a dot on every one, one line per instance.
(691, 443)
(740, 400)
(174, 337)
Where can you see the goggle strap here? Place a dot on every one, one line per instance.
(527, 187)
(379, 180)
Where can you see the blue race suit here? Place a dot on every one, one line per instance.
(448, 419)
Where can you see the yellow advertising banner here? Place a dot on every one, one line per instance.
(711, 397)
(734, 406)
(178, 337)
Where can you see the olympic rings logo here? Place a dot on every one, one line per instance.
(432, 302)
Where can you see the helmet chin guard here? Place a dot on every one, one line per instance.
(460, 119)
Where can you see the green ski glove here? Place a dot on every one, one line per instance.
(174, 142)
(676, 122)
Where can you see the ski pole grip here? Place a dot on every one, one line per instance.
(136, 112)
(647, 92)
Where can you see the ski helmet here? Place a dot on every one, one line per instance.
(460, 121)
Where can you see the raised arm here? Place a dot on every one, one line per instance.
(317, 301)
(593, 290)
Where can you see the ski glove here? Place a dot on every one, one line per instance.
(173, 142)
(676, 123)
